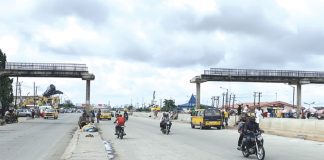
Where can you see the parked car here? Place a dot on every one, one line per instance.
(24, 113)
(50, 113)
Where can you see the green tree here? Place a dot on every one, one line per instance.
(168, 105)
(6, 94)
(68, 104)
(130, 107)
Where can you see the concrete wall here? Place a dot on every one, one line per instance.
(311, 129)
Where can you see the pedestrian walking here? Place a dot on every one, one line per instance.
(98, 115)
(226, 116)
(258, 115)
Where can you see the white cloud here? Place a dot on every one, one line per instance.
(136, 47)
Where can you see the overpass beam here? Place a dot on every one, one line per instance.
(299, 97)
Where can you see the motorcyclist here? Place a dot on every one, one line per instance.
(163, 121)
(126, 115)
(120, 121)
(241, 125)
(250, 128)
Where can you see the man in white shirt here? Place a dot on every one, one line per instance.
(258, 115)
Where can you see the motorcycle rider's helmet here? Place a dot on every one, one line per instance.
(165, 115)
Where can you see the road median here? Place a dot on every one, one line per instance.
(85, 146)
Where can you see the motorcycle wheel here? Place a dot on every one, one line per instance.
(121, 135)
(245, 151)
(167, 131)
(260, 153)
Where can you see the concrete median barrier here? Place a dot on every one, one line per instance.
(310, 129)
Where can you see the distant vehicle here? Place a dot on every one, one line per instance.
(206, 118)
(24, 113)
(50, 113)
(42, 109)
(106, 114)
(320, 114)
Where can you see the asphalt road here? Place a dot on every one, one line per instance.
(37, 139)
(144, 141)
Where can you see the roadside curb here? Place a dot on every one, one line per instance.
(71, 147)
(312, 137)
(85, 146)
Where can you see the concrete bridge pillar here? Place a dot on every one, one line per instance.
(88, 78)
(87, 108)
(298, 99)
(197, 80)
(197, 95)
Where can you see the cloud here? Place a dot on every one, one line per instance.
(94, 11)
(136, 47)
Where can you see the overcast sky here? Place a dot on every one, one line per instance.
(136, 47)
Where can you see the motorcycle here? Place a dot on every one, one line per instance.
(11, 119)
(120, 132)
(253, 145)
(166, 128)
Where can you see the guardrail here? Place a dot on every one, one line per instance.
(46, 66)
(265, 73)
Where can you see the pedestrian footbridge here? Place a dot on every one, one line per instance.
(291, 77)
(59, 70)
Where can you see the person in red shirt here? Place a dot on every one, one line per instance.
(120, 121)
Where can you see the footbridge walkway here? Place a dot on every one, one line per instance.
(252, 75)
(59, 70)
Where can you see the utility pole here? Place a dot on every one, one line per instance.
(260, 93)
(229, 101)
(223, 100)
(254, 95)
(226, 98)
(20, 93)
(233, 101)
(34, 95)
(213, 101)
(217, 101)
(16, 93)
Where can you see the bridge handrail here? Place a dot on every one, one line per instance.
(272, 73)
(46, 66)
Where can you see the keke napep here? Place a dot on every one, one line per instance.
(206, 118)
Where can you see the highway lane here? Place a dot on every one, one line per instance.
(37, 139)
(144, 141)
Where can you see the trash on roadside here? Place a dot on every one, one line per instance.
(89, 135)
(89, 128)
